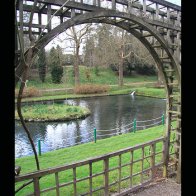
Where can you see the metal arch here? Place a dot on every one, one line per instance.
(105, 17)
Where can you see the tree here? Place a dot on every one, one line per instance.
(57, 74)
(59, 55)
(42, 65)
(76, 36)
(123, 50)
(121, 47)
(89, 52)
(68, 59)
(104, 49)
(55, 62)
(53, 59)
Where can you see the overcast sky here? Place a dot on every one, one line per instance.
(177, 2)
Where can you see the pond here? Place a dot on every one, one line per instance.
(113, 113)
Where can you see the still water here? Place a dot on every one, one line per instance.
(107, 113)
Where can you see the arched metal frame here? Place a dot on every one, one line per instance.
(127, 23)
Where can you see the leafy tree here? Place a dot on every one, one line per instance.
(104, 50)
(89, 51)
(42, 65)
(57, 74)
(53, 59)
(145, 69)
(59, 54)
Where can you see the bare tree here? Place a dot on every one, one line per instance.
(76, 36)
(122, 40)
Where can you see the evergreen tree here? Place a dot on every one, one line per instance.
(42, 65)
(59, 55)
(54, 60)
(57, 74)
(89, 52)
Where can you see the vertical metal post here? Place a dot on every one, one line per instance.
(73, 12)
(39, 147)
(163, 119)
(95, 135)
(134, 125)
(49, 17)
(81, 11)
(157, 11)
(113, 4)
(168, 14)
(144, 7)
(99, 3)
(21, 25)
(130, 6)
(40, 21)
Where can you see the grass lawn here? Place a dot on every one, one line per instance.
(105, 76)
(87, 75)
(44, 112)
(89, 150)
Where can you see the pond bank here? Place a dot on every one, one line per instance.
(142, 91)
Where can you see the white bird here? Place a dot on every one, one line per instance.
(133, 93)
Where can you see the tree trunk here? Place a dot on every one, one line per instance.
(120, 71)
(76, 67)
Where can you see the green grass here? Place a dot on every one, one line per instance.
(151, 92)
(89, 150)
(106, 76)
(114, 90)
(40, 112)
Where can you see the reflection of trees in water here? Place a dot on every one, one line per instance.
(77, 132)
(119, 113)
(149, 109)
(95, 112)
(54, 125)
(36, 130)
(106, 113)
(107, 116)
(22, 144)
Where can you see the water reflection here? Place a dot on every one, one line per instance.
(106, 113)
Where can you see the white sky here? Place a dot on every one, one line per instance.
(177, 2)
